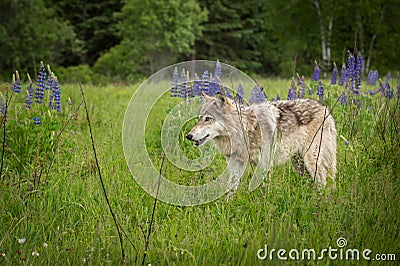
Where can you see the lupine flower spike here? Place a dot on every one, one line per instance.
(257, 95)
(375, 77)
(175, 84)
(37, 120)
(342, 79)
(55, 96)
(292, 90)
(317, 72)
(301, 83)
(358, 74)
(212, 89)
(40, 84)
(335, 73)
(50, 80)
(240, 94)
(206, 83)
(16, 83)
(372, 77)
(350, 70)
(344, 100)
(197, 85)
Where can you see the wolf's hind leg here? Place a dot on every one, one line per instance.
(299, 165)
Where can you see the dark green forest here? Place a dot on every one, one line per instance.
(106, 41)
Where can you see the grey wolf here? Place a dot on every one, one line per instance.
(270, 133)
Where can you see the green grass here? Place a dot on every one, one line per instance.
(67, 210)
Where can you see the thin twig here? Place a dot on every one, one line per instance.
(154, 209)
(100, 177)
(319, 146)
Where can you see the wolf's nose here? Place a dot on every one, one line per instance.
(189, 136)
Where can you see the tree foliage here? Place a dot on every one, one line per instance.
(132, 38)
(234, 32)
(30, 32)
(154, 34)
(94, 25)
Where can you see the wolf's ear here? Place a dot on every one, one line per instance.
(223, 98)
(206, 97)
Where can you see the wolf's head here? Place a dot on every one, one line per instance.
(212, 117)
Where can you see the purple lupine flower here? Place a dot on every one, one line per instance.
(214, 86)
(321, 91)
(374, 77)
(292, 91)
(37, 120)
(175, 91)
(261, 96)
(256, 96)
(50, 86)
(317, 72)
(294, 88)
(342, 79)
(239, 94)
(183, 86)
(16, 83)
(49, 82)
(389, 93)
(358, 73)
(310, 92)
(370, 78)
(385, 87)
(29, 93)
(218, 70)
(335, 73)
(350, 72)
(301, 83)
(55, 96)
(40, 83)
(197, 84)
(206, 82)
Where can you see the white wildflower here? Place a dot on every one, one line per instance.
(21, 240)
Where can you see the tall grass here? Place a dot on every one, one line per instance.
(65, 217)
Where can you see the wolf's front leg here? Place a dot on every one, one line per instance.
(236, 170)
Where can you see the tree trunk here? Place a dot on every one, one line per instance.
(325, 47)
(328, 45)
(372, 44)
(371, 48)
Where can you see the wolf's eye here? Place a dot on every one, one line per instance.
(207, 119)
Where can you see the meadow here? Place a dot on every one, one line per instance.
(54, 212)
